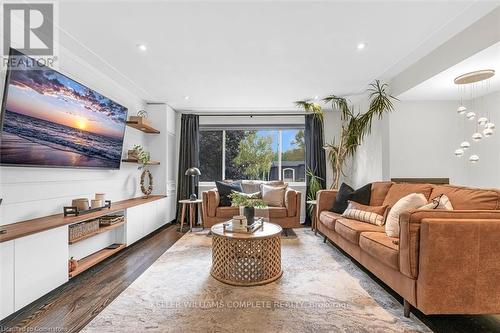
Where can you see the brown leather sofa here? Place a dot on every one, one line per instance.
(444, 262)
(286, 217)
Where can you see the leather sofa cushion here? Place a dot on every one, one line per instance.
(351, 229)
(328, 219)
(381, 247)
(229, 212)
(464, 198)
(379, 192)
(397, 191)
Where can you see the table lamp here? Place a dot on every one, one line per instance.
(193, 172)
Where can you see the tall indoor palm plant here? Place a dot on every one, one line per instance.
(355, 126)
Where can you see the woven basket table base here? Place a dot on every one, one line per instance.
(246, 262)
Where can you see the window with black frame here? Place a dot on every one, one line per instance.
(257, 153)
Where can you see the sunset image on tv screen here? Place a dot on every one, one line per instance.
(51, 120)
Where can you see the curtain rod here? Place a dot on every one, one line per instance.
(247, 114)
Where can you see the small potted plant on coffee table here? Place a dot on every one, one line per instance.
(248, 202)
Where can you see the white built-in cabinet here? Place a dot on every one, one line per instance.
(144, 219)
(6, 278)
(41, 264)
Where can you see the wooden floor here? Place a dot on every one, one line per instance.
(70, 307)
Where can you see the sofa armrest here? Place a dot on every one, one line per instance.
(409, 232)
(210, 202)
(324, 201)
(292, 202)
(459, 266)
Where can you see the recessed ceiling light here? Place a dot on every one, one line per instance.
(186, 97)
(361, 46)
(142, 47)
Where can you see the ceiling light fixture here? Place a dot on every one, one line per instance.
(476, 84)
(361, 46)
(142, 47)
(186, 97)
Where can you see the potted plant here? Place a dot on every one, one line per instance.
(143, 157)
(249, 204)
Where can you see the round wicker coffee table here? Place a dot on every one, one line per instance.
(242, 259)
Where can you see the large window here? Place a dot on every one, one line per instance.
(265, 154)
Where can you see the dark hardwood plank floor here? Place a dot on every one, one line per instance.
(70, 307)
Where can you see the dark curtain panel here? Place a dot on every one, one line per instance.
(189, 156)
(315, 154)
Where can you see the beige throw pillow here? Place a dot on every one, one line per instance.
(371, 214)
(274, 196)
(409, 202)
(439, 202)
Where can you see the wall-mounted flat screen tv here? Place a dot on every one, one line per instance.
(50, 120)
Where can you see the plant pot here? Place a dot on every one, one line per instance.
(249, 213)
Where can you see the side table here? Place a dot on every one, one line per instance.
(313, 217)
(193, 205)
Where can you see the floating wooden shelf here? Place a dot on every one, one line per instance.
(131, 160)
(142, 125)
(93, 259)
(97, 232)
(29, 227)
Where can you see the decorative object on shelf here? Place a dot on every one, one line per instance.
(146, 183)
(474, 84)
(73, 210)
(100, 196)
(82, 229)
(143, 157)
(111, 220)
(142, 113)
(72, 264)
(193, 172)
(248, 203)
(80, 204)
(355, 126)
(96, 203)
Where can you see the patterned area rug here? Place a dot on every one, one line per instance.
(321, 290)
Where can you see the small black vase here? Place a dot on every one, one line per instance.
(249, 213)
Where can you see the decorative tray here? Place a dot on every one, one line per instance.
(228, 227)
(73, 211)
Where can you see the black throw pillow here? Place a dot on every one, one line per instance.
(225, 189)
(361, 195)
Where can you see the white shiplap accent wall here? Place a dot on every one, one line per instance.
(34, 192)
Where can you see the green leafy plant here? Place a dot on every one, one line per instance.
(311, 107)
(142, 156)
(355, 126)
(241, 199)
(314, 187)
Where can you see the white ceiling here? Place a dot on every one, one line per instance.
(441, 86)
(257, 55)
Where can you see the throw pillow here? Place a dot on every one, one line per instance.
(225, 190)
(409, 202)
(439, 202)
(256, 195)
(371, 214)
(274, 196)
(346, 193)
